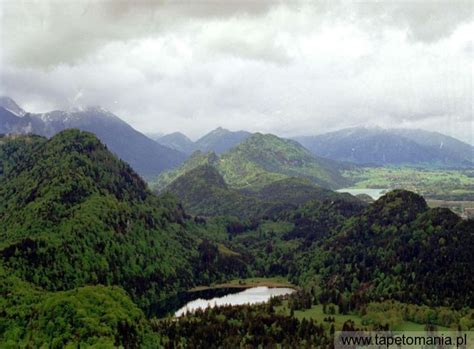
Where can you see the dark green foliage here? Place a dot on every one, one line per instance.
(85, 248)
(72, 214)
(91, 315)
(204, 192)
(259, 161)
(399, 249)
(395, 248)
(240, 326)
(301, 299)
(213, 264)
(294, 191)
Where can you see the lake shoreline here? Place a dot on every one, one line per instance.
(247, 296)
(245, 285)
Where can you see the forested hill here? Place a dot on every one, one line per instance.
(397, 248)
(203, 191)
(88, 253)
(259, 161)
(72, 214)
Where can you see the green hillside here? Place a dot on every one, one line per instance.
(89, 255)
(198, 158)
(396, 248)
(86, 316)
(72, 214)
(203, 192)
(261, 160)
(220, 140)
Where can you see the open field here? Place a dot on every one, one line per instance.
(316, 313)
(464, 208)
(436, 184)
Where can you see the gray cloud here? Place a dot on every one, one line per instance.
(425, 21)
(291, 69)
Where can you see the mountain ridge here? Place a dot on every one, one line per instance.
(258, 161)
(390, 146)
(146, 156)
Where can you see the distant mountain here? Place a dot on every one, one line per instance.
(390, 146)
(154, 135)
(261, 160)
(178, 141)
(10, 105)
(220, 140)
(8, 120)
(146, 156)
(448, 148)
(264, 158)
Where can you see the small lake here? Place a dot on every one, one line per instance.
(252, 295)
(373, 193)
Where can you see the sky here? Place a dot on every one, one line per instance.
(289, 68)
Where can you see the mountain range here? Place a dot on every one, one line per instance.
(362, 146)
(219, 141)
(260, 160)
(146, 156)
(379, 146)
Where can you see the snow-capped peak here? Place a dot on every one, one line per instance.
(10, 105)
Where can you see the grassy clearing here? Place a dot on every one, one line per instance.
(431, 183)
(316, 313)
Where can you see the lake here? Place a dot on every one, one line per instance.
(373, 193)
(252, 295)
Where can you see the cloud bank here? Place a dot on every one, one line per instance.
(289, 68)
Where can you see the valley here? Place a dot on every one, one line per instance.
(236, 174)
(85, 240)
(450, 188)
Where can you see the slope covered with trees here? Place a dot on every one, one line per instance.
(203, 191)
(259, 161)
(396, 248)
(88, 254)
(72, 214)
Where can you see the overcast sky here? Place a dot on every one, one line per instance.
(290, 68)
